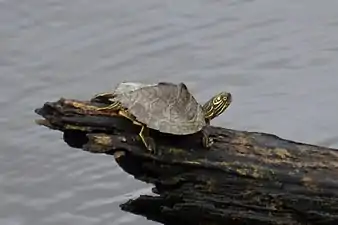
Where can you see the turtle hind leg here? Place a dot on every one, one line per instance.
(147, 141)
(207, 141)
(144, 132)
(103, 97)
(113, 106)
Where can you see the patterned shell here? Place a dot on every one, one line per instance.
(167, 107)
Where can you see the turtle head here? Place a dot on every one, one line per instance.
(216, 105)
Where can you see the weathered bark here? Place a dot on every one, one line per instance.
(245, 178)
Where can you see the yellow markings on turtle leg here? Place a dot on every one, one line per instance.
(128, 116)
(114, 106)
(149, 145)
(141, 134)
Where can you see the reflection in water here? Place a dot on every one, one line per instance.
(278, 59)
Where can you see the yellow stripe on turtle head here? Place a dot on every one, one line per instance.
(217, 105)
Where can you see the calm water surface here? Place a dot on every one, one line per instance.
(278, 58)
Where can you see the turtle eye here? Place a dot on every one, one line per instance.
(217, 100)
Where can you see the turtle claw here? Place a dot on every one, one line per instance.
(207, 141)
(210, 142)
(148, 142)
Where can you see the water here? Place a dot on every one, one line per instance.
(279, 59)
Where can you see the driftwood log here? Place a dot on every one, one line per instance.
(245, 178)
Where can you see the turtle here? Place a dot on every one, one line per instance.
(165, 107)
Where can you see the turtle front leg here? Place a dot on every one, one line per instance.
(207, 141)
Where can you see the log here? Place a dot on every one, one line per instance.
(245, 178)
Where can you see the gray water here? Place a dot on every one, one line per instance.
(279, 59)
